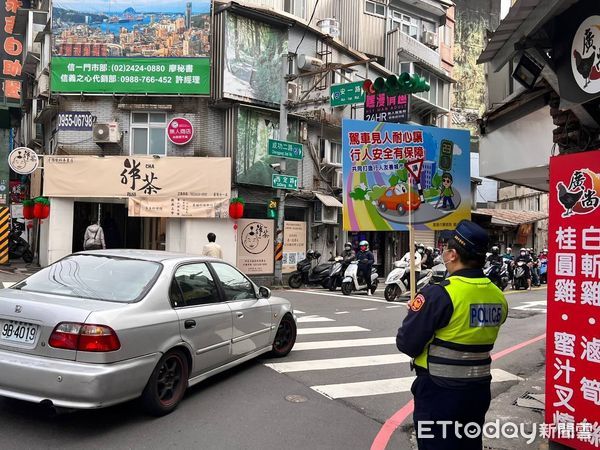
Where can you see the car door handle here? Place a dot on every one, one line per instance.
(240, 315)
(189, 324)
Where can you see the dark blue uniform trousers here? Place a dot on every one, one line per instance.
(436, 403)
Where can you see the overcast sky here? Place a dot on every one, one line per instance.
(118, 6)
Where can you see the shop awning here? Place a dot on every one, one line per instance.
(510, 217)
(329, 200)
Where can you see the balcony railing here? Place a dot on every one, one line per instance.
(403, 48)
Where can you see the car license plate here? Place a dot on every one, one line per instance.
(21, 332)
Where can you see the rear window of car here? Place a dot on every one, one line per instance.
(95, 277)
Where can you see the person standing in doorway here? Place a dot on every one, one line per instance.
(93, 238)
(449, 331)
(212, 249)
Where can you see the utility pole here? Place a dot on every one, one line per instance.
(283, 132)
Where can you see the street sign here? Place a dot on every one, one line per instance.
(285, 149)
(414, 168)
(285, 182)
(347, 93)
(446, 153)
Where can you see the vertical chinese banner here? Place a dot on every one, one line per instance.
(11, 53)
(573, 337)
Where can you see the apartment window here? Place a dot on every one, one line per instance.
(295, 7)
(336, 153)
(448, 35)
(406, 67)
(407, 24)
(377, 9)
(342, 76)
(148, 133)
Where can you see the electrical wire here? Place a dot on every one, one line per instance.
(309, 22)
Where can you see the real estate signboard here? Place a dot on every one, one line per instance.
(131, 47)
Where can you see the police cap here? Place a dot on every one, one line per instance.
(470, 236)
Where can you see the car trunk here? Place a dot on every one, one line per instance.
(27, 311)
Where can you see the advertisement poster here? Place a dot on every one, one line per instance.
(132, 46)
(255, 250)
(573, 342)
(382, 160)
(294, 244)
(387, 108)
(252, 71)
(137, 176)
(178, 207)
(11, 53)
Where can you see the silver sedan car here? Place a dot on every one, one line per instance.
(102, 327)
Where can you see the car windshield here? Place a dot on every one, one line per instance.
(96, 277)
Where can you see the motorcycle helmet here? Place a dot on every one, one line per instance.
(420, 248)
(508, 250)
(348, 246)
(364, 245)
(310, 254)
(523, 252)
(495, 250)
(545, 251)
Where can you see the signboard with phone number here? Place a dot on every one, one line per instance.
(75, 121)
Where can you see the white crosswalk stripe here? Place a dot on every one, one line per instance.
(7, 284)
(344, 343)
(390, 386)
(330, 330)
(339, 363)
(307, 319)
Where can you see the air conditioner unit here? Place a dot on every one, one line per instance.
(431, 120)
(327, 148)
(325, 214)
(106, 133)
(43, 85)
(293, 91)
(430, 39)
(338, 181)
(308, 63)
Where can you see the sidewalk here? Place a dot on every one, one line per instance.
(15, 271)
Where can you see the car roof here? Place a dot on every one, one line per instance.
(149, 255)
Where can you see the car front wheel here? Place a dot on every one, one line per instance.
(285, 337)
(167, 384)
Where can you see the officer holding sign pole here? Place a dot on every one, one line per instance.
(449, 331)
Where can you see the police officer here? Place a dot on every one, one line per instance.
(450, 330)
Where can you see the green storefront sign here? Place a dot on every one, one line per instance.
(131, 75)
(347, 93)
(285, 182)
(285, 149)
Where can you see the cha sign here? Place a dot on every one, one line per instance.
(573, 345)
(382, 162)
(180, 131)
(23, 160)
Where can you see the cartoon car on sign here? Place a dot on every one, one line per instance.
(396, 198)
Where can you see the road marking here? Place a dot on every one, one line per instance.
(344, 343)
(7, 284)
(525, 291)
(339, 363)
(370, 309)
(395, 306)
(532, 306)
(390, 386)
(306, 319)
(342, 312)
(366, 298)
(330, 330)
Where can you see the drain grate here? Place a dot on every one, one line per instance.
(531, 400)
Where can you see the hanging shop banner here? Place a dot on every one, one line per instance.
(294, 244)
(137, 176)
(381, 159)
(573, 342)
(11, 53)
(179, 207)
(387, 108)
(23, 160)
(74, 121)
(180, 131)
(138, 47)
(255, 250)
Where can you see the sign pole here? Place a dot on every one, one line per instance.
(411, 245)
(278, 278)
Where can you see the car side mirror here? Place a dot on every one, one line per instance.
(264, 292)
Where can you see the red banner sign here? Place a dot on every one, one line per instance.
(11, 52)
(180, 131)
(573, 336)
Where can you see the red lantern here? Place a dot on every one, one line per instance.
(28, 209)
(236, 208)
(41, 209)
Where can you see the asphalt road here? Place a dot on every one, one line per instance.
(336, 389)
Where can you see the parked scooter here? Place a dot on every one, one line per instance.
(397, 286)
(17, 246)
(498, 274)
(353, 281)
(336, 273)
(439, 270)
(520, 276)
(305, 273)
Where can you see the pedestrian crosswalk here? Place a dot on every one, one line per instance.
(311, 358)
